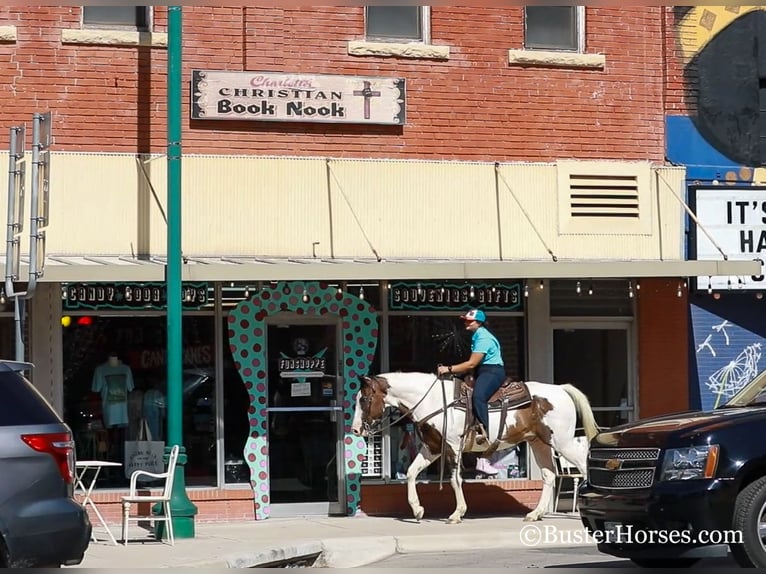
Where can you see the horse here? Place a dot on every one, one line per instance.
(547, 422)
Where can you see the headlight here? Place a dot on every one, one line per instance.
(690, 463)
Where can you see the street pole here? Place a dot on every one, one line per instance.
(181, 508)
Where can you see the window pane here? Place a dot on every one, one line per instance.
(551, 27)
(115, 15)
(394, 22)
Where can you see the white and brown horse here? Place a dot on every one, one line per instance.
(549, 421)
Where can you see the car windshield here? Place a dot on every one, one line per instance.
(753, 393)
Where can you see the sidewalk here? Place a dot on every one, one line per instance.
(344, 542)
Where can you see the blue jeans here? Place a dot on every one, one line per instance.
(488, 380)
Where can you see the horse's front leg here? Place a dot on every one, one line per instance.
(422, 460)
(456, 480)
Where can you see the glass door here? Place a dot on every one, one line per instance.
(598, 359)
(305, 416)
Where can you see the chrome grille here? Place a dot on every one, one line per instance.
(622, 468)
(625, 453)
(622, 479)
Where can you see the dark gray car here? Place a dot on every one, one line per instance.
(40, 522)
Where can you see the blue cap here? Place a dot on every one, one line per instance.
(474, 315)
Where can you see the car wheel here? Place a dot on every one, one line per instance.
(749, 519)
(665, 562)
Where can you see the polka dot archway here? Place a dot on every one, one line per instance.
(247, 341)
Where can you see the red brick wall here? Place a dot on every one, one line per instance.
(472, 106)
(663, 346)
(496, 497)
(679, 99)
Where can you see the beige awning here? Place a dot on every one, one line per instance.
(111, 269)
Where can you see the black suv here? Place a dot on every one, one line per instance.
(40, 522)
(670, 490)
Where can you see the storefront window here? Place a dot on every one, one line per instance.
(420, 343)
(115, 389)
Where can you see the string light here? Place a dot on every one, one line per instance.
(728, 283)
(578, 289)
(542, 284)
(590, 289)
(340, 290)
(638, 285)
(630, 289)
(247, 292)
(361, 292)
(740, 282)
(709, 285)
(680, 291)
(526, 290)
(305, 297)
(472, 293)
(420, 290)
(3, 298)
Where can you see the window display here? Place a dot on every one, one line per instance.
(420, 343)
(115, 380)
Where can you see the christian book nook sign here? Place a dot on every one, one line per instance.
(296, 97)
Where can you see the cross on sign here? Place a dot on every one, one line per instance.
(367, 93)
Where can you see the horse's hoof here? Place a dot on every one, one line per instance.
(419, 514)
(454, 520)
(532, 518)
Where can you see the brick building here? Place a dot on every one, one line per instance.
(391, 165)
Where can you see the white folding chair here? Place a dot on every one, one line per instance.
(163, 498)
(566, 470)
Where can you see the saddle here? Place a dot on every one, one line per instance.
(510, 395)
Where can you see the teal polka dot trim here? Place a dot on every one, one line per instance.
(247, 341)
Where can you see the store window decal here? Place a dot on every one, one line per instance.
(247, 339)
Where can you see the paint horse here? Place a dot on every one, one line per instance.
(548, 421)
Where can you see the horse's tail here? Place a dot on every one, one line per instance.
(582, 405)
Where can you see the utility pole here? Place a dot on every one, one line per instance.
(181, 508)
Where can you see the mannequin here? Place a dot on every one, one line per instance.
(114, 380)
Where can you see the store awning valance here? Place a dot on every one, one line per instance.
(103, 269)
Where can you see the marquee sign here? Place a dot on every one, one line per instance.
(129, 295)
(268, 96)
(442, 296)
(735, 217)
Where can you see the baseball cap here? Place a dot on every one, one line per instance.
(474, 315)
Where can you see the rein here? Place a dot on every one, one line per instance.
(406, 411)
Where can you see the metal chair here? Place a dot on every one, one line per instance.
(565, 470)
(163, 498)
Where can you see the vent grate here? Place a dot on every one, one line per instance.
(372, 465)
(604, 196)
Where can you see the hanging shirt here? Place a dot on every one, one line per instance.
(114, 383)
(485, 342)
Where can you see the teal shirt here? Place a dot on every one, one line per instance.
(485, 342)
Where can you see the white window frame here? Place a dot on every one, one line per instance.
(149, 22)
(580, 33)
(425, 30)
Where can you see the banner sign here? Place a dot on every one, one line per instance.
(442, 296)
(268, 96)
(735, 218)
(129, 295)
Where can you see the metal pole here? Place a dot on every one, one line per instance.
(182, 509)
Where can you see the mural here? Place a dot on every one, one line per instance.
(247, 340)
(724, 54)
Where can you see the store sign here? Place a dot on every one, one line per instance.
(129, 295)
(439, 297)
(303, 364)
(280, 97)
(735, 218)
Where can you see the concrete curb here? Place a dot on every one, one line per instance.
(354, 552)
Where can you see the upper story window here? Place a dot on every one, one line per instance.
(397, 23)
(554, 28)
(132, 17)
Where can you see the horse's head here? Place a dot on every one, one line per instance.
(370, 405)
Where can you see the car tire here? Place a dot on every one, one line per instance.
(748, 512)
(665, 562)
